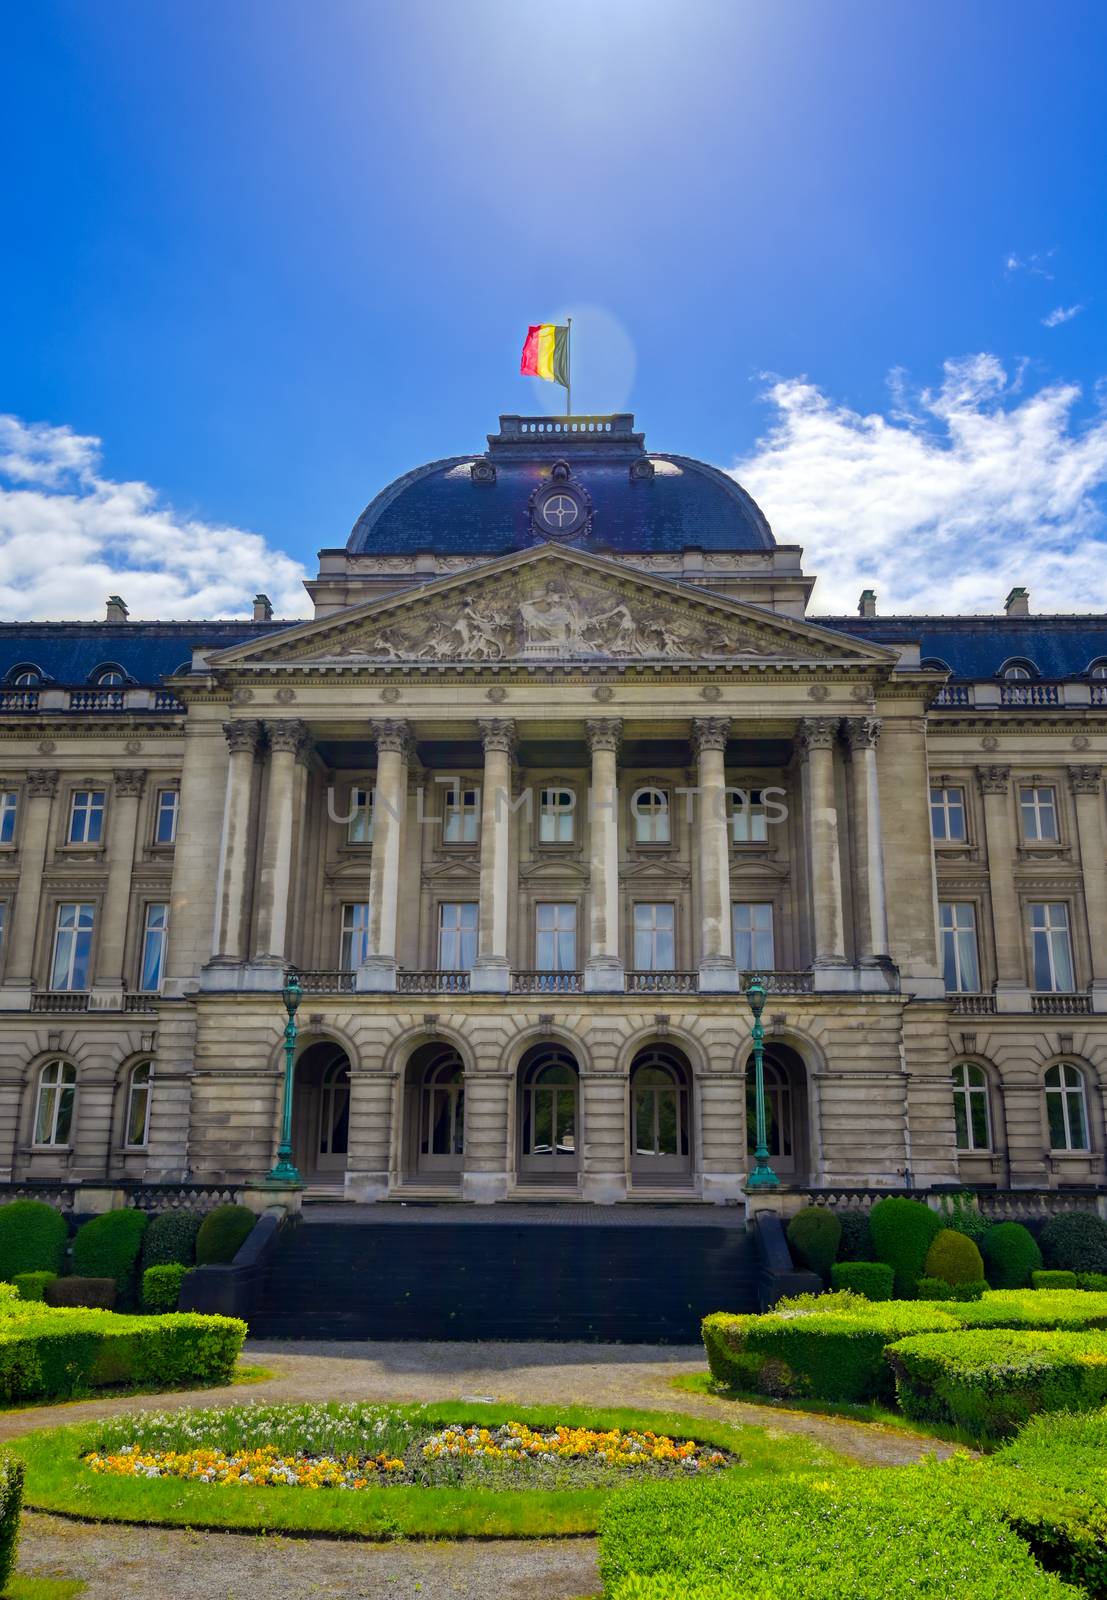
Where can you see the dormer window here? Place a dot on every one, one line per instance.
(109, 676)
(1098, 669)
(1018, 671)
(25, 676)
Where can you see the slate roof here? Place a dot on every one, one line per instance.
(67, 653)
(978, 647)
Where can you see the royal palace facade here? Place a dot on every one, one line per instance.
(559, 762)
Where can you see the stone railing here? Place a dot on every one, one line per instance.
(62, 1001)
(104, 1194)
(780, 982)
(432, 982)
(1061, 1005)
(855, 1199)
(662, 982)
(547, 982)
(140, 1002)
(331, 981)
(160, 1197)
(1098, 694)
(97, 700)
(1000, 1205)
(18, 699)
(164, 701)
(1029, 694)
(954, 694)
(972, 1005)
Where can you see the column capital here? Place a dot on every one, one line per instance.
(604, 733)
(42, 782)
(709, 733)
(129, 781)
(288, 735)
(993, 780)
(497, 733)
(861, 733)
(817, 733)
(242, 736)
(1085, 780)
(392, 734)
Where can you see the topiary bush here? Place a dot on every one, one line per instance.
(33, 1237)
(222, 1234)
(941, 1289)
(856, 1243)
(1053, 1280)
(1076, 1241)
(92, 1293)
(108, 1247)
(11, 1503)
(960, 1211)
(813, 1235)
(1010, 1254)
(171, 1238)
(30, 1285)
(955, 1258)
(161, 1286)
(871, 1279)
(1094, 1281)
(903, 1231)
(60, 1354)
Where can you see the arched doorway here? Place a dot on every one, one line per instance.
(785, 1112)
(660, 1117)
(321, 1113)
(549, 1116)
(434, 1114)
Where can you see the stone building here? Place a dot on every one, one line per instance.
(559, 762)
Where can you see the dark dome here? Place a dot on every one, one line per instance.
(639, 501)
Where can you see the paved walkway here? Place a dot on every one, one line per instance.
(142, 1563)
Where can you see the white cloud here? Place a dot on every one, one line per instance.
(1036, 263)
(941, 507)
(69, 538)
(1061, 314)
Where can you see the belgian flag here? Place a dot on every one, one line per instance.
(546, 353)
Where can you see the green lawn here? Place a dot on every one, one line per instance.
(24, 1587)
(59, 1482)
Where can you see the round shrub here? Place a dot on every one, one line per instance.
(856, 1243)
(171, 1238)
(31, 1285)
(955, 1258)
(872, 1279)
(1053, 1280)
(108, 1246)
(222, 1233)
(934, 1289)
(903, 1231)
(813, 1234)
(33, 1237)
(161, 1286)
(1010, 1255)
(1076, 1241)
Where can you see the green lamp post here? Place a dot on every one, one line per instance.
(286, 1171)
(762, 1176)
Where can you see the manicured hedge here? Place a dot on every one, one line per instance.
(1054, 1280)
(990, 1381)
(903, 1231)
(11, 1503)
(33, 1237)
(161, 1286)
(222, 1233)
(919, 1531)
(30, 1285)
(108, 1247)
(856, 1242)
(1065, 1520)
(954, 1258)
(57, 1353)
(941, 1289)
(1010, 1254)
(1095, 1281)
(171, 1238)
(1077, 1240)
(1065, 1310)
(813, 1235)
(871, 1279)
(98, 1293)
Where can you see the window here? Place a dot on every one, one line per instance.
(461, 821)
(1098, 669)
(9, 807)
(555, 943)
(651, 816)
(457, 935)
(1017, 673)
(442, 1113)
(654, 938)
(1049, 929)
(109, 678)
(359, 829)
(753, 936)
(72, 947)
(137, 1132)
(154, 934)
(971, 1113)
(86, 816)
(57, 1089)
(749, 823)
(947, 814)
(355, 935)
(959, 960)
(555, 816)
(3, 926)
(165, 817)
(26, 676)
(1038, 807)
(659, 1103)
(1066, 1108)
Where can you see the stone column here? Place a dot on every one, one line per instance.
(604, 970)
(107, 988)
(233, 872)
(717, 970)
(286, 744)
(492, 972)
(1087, 793)
(393, 739)
(371, 1097)
(817, 740)
(1012, 991)
(487, 1118)
(34, 833)
(602, 1136)
(869, 900)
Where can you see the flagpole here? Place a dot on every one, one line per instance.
(569, 365)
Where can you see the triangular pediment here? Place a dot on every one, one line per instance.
(548, 605)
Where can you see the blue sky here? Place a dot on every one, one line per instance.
(272, 254)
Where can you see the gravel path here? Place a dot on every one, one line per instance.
(146, 1564)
